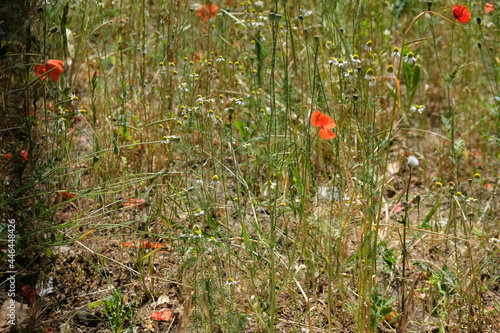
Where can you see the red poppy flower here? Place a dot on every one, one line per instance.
(7, 156)
(53, 69)
(206, 12)
(325, 123)
(461, 13)
(67, 196)
(489, 7)
(24, 156)
(163, 315)
(29, 293)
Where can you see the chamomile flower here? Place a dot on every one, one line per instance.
(73, 98)
(409, 58)
(163, 68)
(419, 108)
(390, 71)
(240, 101)
(369, 46)
(350, 74)
(369, 74)
(199, 212)
(332, 61)
(200, 99)
(395, 52)
(231, 282)
(220, 59)
(356, 62)
(340, 62)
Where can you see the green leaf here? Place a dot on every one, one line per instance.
(425, 223)
(95, 304)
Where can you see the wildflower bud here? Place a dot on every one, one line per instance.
(470, 181)
(53, 30)
(301, 18)
(439, 184)
(417, 198)
(406, 205)
(479, 46)
(429, 5)
(316, 39)
(341, 30)
(478, 20)
(477, 175)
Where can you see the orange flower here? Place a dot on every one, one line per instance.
(206, 12)
(461, 13)
(7, 156)
(53, 69)
(489, 7)
(325, 123)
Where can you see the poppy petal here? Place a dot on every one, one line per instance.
(461, 13)
(326, 134)
(206, 12)
(55, 68)
(39, 71)
(489, 7)
(319, 119)
(163, 315)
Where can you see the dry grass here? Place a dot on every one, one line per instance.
(196, 135)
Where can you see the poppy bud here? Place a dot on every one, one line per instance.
(478, 20)
(479, 45)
